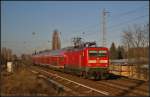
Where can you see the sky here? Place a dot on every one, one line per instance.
(19, 19)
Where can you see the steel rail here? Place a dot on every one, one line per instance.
(101, 92)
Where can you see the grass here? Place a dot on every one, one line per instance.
(23, 82)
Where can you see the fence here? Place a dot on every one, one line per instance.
(130, 70)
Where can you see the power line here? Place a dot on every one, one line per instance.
(120, 16)
(129, 12)
(120, 24)
(127, 21)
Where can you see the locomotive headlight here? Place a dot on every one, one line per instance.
(91, 61)
(103, 61)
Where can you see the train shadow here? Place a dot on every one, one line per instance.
(114, 77)
(111, 77)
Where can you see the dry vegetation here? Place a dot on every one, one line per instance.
(24, 82)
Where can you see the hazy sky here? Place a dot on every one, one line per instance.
(20, 18)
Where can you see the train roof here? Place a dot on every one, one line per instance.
(42, 53)
(62, 51)
(52, 52)
(57, 52)
(80, 48)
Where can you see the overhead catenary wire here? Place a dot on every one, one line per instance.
(136, 18)
(122, 23)
(128, 12)
(91, 34)
(121, 15)
(118, 16)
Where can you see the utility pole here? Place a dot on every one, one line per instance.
(103, 27)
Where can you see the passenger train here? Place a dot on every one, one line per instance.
(88, 62)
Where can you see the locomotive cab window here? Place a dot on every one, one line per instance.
(102, 53)
(92, 53)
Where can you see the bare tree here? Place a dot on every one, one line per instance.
(9, 54)
(14, 57)
(136, 41)
(3, 56)
(132, 37)
(6, 53)
(135, 38)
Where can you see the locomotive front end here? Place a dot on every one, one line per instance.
(97, 63)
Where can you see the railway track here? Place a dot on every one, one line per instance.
(86, 87)
(70, 85)
(137, 88)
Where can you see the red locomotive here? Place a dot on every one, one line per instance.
(89, 62)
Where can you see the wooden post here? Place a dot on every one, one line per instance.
(128, 70)
(131, 71)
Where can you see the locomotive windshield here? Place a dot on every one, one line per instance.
(94, 53)
(102, 53)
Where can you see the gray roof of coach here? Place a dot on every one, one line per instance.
(57, 52)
